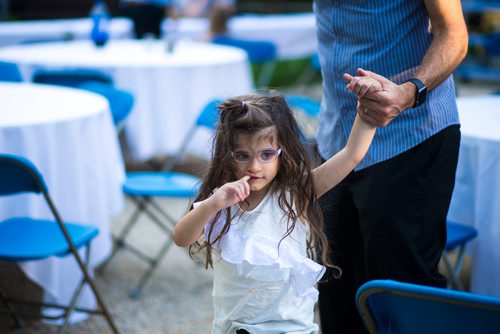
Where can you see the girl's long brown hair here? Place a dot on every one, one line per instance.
(293, 184)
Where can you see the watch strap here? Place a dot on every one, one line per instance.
(420, 96)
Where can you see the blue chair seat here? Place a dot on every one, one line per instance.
(457, 237)
(162, 184)
(458, 234)
(32, 243)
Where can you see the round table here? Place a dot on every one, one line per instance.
(17, 32)
(69, 135)
(476, 197)
(170, 89)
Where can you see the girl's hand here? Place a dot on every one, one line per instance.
(362, 85)
(230, 193)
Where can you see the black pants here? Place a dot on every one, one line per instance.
(388, 221)
(146, 18)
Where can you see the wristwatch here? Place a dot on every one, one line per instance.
(421, 94)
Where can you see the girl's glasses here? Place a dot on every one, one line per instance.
(264, 156)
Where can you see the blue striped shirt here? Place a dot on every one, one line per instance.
(389, 37)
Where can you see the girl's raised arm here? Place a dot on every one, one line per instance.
(330, 173)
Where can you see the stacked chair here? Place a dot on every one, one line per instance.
(28, 239)
(144, 188)
(388, 306)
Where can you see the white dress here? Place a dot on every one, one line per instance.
(263, 285)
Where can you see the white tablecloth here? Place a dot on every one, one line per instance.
(69, 135)
(170, 89)
(293, 34)
(15, 32)
(476, 198)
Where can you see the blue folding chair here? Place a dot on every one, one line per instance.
(70, 77)
(388, 306)
(259, 52)
(143, 187)
(10, 72)
(120, 101)
(28, 239)
(457, 238)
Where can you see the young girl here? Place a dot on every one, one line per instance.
(258, 213)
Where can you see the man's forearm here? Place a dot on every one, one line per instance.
(449, 44)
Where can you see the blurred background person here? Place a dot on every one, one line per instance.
(147, 15)
(202, 8)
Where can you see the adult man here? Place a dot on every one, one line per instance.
(388, 218)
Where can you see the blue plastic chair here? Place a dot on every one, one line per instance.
(10, 72)
(306, 111)
(402, 308)
(120, 101)
(70, 77)
(258, 51)
(458, 236)
(143, 187)
(28, 239)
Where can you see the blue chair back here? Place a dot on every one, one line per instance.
(314, 61)
(120, 101)
(258, 51)
(71, 78)
(388, 306)
(18, 175)
(209, 116)
(10, 72)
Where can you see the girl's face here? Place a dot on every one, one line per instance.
(257, 157)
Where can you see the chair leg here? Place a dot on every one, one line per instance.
(118, 243)
(76, 294)
(455, 269)
(135, 292)
(154, 262)
(96, 292)
(18, 322)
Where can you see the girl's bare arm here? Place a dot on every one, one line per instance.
(330, 173)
